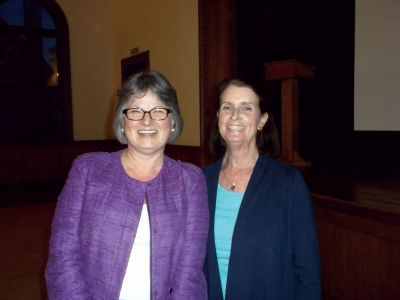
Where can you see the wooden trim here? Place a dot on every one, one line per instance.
(287, 69)
(218, 61)
(382, 223)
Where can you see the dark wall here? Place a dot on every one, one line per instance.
(320, 34)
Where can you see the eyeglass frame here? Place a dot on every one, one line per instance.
(144, 112)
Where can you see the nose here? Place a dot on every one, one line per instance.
(235, 114)
(146, 118)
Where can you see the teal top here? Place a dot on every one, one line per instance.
(226, 212)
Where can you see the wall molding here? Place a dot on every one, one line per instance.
(30, 164)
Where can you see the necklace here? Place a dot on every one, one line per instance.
(233, 184)
(240, 178)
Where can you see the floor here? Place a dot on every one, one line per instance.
(24, 234)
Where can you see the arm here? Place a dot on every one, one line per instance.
(189, 280)
(63, 272)
(305, 244)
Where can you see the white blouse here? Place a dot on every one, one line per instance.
(136, 284)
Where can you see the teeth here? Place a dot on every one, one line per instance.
(147, 131)
(235, 128)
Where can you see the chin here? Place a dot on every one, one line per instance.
(235, 137)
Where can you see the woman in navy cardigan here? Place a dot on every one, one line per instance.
(262, 240)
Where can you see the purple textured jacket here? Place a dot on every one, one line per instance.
(96, 220)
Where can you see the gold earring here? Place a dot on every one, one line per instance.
(259, 128)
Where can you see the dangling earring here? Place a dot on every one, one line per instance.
(172, 131)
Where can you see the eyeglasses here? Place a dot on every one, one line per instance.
(137, 114)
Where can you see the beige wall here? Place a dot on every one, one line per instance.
(104, 32)
(92, 69)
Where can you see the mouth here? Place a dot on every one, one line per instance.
(147, 132)
(235, 128)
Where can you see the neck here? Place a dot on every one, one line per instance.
(236, 170)
(240, 159)
(140, 166)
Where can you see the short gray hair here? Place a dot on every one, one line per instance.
(137, 85)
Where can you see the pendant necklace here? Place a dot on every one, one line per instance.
(233, 184)
(240, 178)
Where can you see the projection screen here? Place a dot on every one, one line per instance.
(377, 65)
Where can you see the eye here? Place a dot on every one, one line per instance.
(134, 113)
(247, 109)
(134, 110)
(226, 108)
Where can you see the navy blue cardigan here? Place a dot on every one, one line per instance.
(274, 252)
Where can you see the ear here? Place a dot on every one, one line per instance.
(263, 120)
(172, 122)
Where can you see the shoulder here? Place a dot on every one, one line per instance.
(280, 181)
(280, 171)
(96, 162)
(93, 158)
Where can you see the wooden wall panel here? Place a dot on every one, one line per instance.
(51, 163)
(39, 163)
(191, 154)
(360, 250)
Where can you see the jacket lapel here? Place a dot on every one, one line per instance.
(256, 178)
(212, 262)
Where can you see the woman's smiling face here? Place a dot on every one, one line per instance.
(239, 116)
(147, 135)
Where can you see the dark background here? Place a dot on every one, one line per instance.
(320, 34)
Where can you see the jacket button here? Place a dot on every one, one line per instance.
(155, 294)
(155, 231)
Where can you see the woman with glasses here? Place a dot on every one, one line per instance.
(262, 240)
(132, 224)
